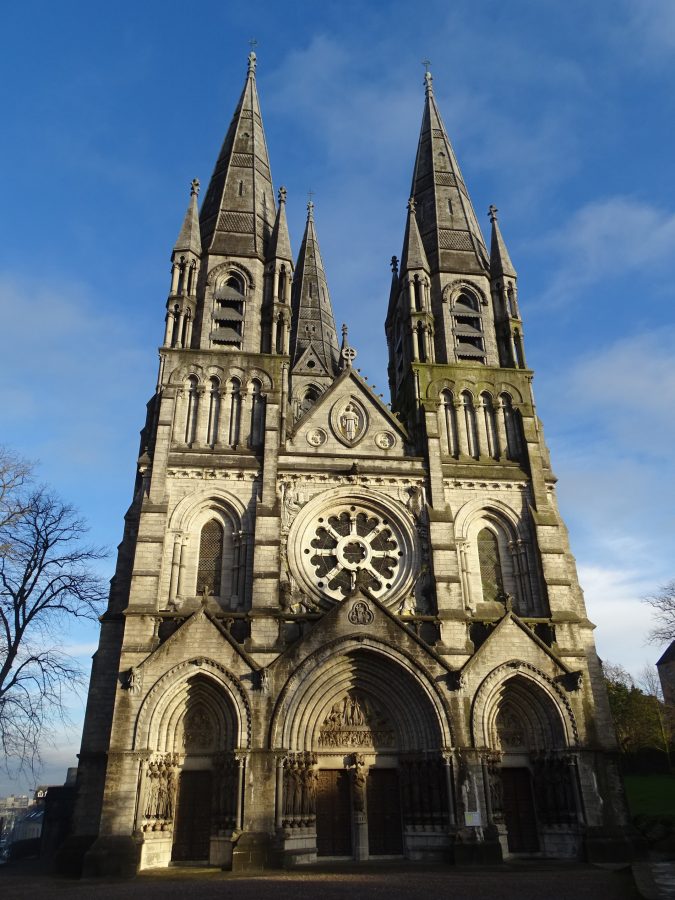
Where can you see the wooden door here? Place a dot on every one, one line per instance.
(519, 813)
(192, 830)
(385, 831)
(333, 814)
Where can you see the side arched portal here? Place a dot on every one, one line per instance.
(528, 733)
(365, 772)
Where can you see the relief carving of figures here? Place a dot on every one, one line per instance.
(349, 422)
(160, 793)
(355, 722)
(300, 781)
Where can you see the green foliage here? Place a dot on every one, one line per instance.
(638, 716)
(650, 795)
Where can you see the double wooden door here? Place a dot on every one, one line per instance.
(519, 813)
(192, 830)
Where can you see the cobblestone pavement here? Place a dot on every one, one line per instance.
(393, 881)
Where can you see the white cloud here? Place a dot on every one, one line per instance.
(607, 240)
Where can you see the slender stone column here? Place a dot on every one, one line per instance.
(175, 563)
(169, 328)
(181, 568)
(462, 436)
(279, 793)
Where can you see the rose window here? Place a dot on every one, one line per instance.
(353, 548)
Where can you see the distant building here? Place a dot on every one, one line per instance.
(666, 669)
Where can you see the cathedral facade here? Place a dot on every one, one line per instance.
(339, 627)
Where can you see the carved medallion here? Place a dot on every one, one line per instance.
(316, 437)
(360, 614)
(385, 440)
(349, 421)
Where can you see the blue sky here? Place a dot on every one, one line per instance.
(561, 114)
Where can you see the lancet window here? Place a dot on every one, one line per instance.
(209, 570)
(228, 313)
(192, 409)
(471, 424)
(449, 414)
(467, 327)
(488, 412)
(257, 414)
(214, 411)
(235, 412)
(489, 559)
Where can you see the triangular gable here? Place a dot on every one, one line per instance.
(362, 615)
(310, 363)
(198, 630)
(321, 424)
(500, 647)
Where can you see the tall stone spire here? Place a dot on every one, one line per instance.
(189, 238)
(313, 321)
(450, 232)
(500, 261)
(238, 211)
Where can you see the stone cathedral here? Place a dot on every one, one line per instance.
(338, 627)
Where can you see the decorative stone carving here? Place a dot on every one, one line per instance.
(291, 504)
(355, 722)
(160, 793)
(385, 440)
(198, 731)
(360, 613)
(300, 780)
(349, 421)
(316, 437)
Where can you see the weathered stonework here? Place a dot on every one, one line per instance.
(334, 628)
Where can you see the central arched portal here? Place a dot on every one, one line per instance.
(365, 773)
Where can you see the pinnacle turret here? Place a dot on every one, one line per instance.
(189, 239)
(413, 256)
(500, 261)
(280, 242)
(313, 321)
(238, 212)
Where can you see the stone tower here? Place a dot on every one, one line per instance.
(337, 629)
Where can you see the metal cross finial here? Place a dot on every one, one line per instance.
(253, 44)
(492, 212)
(426, 63)
(428, 78)
(194, 188)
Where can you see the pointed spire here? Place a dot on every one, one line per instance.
(313, 321)
(500, 261)
(448, 225)
(238, 211)
(280, 242)
(413, 256)
(189, 238)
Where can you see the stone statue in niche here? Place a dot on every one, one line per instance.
(291, 504)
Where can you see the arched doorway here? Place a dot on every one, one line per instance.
(191, 787)
(365, 774)
(531, 770)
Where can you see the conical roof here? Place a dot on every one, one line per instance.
(448, 226)
(313, 320)
(238, 211)
(500, 261)
(189, 239)
(280, 242)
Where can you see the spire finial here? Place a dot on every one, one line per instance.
(394, 265)
(282, 194)
(347, 353)
(492, 213)
(428, 77)
(194, 187)
(310, 206)
(412, 205)
(252, 59)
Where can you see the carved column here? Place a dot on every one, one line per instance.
(175, 564)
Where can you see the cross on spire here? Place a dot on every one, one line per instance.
(252, 57)
(492, 212)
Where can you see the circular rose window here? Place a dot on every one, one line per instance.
(340, 545)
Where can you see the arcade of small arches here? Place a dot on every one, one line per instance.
(486, 427)
(211, 413)
(371, 764)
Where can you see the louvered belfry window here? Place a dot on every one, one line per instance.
(210, 559)
(490, 565)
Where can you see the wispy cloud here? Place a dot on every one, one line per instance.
(606, 240)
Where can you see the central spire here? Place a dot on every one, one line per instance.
(313, 321)
(448, 225)
(238, 212)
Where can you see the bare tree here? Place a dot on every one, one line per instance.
(663, 604)
(46, 581)
(650, 684)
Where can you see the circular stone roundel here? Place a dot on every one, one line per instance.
(343, 541)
